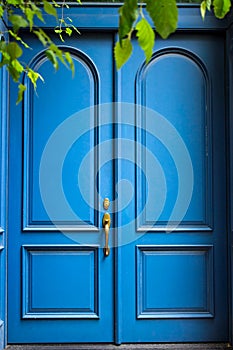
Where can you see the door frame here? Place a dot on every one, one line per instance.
(229, 125)
(104, 17)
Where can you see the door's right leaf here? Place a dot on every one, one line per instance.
(146, 37)
(122, 52)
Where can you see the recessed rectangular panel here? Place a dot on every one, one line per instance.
(60, 282)
(175, 177)
(59, 139)
(175, 282)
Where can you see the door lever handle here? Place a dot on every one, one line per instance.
(106, 226)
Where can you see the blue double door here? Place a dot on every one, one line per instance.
(158, 155)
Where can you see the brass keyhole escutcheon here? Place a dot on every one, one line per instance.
(106, 203)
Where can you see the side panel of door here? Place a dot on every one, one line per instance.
(174, 273)
(59, 290)
(3, 192)
(230, 135)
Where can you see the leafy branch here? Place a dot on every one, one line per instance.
(17, 14)
(164, 16)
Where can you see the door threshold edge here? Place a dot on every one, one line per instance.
(141, 346)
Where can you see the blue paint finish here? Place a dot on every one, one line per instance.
(65, 293)
(175, 282)
(179, 293)
(105, 16)
(39, 126)
(229, 67)
(3, 195)
(60, 282)
(162, 287)
(190, 119)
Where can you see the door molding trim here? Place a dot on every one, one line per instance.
(105, 17)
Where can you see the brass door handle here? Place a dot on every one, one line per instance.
(106, 226)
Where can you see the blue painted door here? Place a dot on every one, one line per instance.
(66, 293)
(173, 272)
(159, 156)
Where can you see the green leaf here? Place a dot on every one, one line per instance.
(18, 22)
(16, 37)
(52, 57)
(69, 31)
(58, 52)
(61, 37)
(5, 59)
(128, 15)
(13, 2)
(164, 14)
(34, 76)
(146, 37)
(2, 46)
(56, 4)
(208, 4)
(221, 7)
(29, 13)
(42, 36)
(21, 88)
(15, 69)
(122, 52)
(1, 10)
(74, 28)
(17, 66)
(70, 61)
(37, 11)
(58, 30)
(49, 8)
(14, 50)
(203, 9)
(205, 5)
